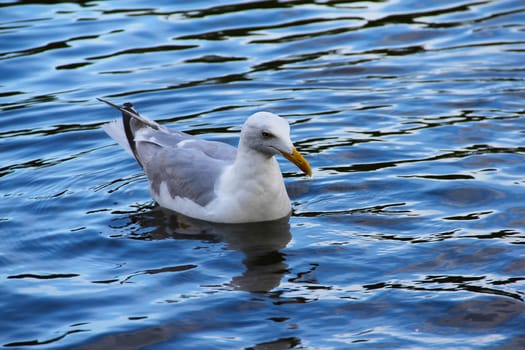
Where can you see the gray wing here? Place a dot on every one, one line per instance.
(188, 165)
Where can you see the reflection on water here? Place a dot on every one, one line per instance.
(261, 243)
(480, 315)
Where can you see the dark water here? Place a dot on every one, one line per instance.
(409, 236)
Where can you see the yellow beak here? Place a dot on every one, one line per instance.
(298, 160)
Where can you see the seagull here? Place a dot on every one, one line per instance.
(209, 180)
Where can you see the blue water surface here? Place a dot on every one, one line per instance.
(409, 235)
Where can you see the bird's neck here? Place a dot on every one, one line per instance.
(258, 165)
(257, 173)
(254, 184)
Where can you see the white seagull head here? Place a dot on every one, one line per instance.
(269, 134)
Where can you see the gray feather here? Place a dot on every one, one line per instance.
(188, 165)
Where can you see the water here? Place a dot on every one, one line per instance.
(409, 236)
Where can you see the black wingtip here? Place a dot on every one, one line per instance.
(110, 104)
(128, 109)
(128, 112)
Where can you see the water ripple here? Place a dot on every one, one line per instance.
(408, 236)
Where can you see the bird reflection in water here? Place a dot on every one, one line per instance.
(260, 243)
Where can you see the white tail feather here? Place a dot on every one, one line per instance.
(115, 129)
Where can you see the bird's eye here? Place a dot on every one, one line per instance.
(266, 134)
